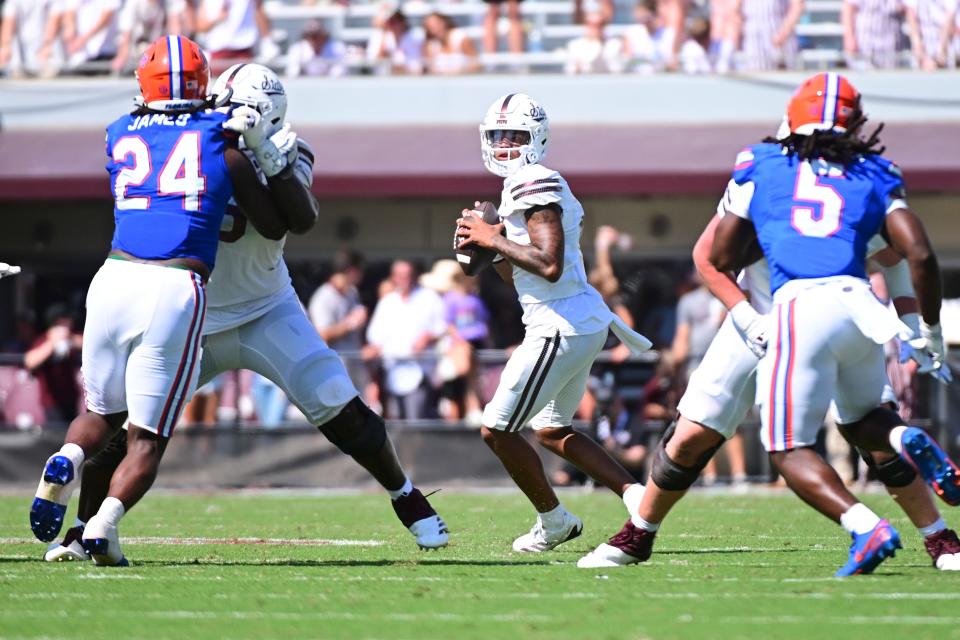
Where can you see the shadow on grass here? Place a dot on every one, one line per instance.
(284, 562)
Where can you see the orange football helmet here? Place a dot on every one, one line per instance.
(173, 74)
(825, 102)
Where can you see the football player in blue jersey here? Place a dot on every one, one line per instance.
(174, 165)
(255, 321)
(813, 200)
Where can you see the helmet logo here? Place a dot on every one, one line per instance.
(271, 86)
(536, 112)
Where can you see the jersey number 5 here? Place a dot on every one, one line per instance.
(817, 208)
(180, 174)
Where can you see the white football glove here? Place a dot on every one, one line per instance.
(8, 269)
(286, 142)
(927, 351)
(752, 327)
(253, 127)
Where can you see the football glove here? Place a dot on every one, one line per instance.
(751, 326)
(8, 269)
(927, 350)
(252, 126)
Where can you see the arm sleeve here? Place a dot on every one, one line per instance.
(304, 165)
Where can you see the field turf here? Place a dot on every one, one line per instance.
(756, 566)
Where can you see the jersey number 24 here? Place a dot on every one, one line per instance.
(180, 174)
(810, 197)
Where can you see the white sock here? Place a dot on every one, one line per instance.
(75, 454)
(859, 519)
(554, 518)
(111, 511)
(640, 523)
(632, 497)
(402, 491)
(931, 529)
(896, 437)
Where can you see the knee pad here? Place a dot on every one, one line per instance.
(894, 473)
(670, 476)
(356, 430)
(109, 458)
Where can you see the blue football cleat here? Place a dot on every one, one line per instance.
(53, 494)
(870, 549)
(930, 461)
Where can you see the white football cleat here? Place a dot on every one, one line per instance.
(70, 549)
(540, 539)
(102, 542)
(948, 562)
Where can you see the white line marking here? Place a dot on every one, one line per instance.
(291, 542)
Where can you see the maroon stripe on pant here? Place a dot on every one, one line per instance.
(183, 358)
(193, 363)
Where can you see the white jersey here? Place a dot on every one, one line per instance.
(250, 277)
(570, 304)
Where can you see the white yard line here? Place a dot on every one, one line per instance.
(286, 542)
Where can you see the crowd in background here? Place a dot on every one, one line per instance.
(431, 345)
(50, 37)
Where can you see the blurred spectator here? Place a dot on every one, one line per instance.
(141, 22)
(932, 28)
(316, 53)
(872, 33)
(725, 25)
(230, 30)
(54, 360)
(490, 24)
(337, 313)
(405, 324)
(671, 15)
(22, 34)
(693, 51)
(639, 49)
(466, 318)
(202, 407)
(593, 52)
(699, 316)
(270, 401)
(24, 334)
(394, 47)
(769, 40)
(90, 30)
(581, 8)
(447, 49)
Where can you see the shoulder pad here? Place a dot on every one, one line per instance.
(535, 185)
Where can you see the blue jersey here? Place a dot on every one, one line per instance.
(170, 184)
(813, 219)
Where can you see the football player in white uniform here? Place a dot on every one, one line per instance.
(255, 321)
(723, 389)
(566, 320)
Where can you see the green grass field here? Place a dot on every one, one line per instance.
(756, 566)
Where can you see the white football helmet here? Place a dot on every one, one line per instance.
(257, 87)
(514, 122)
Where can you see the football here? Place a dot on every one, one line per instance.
(474, 259)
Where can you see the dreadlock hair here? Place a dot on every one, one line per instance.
(841, 148)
